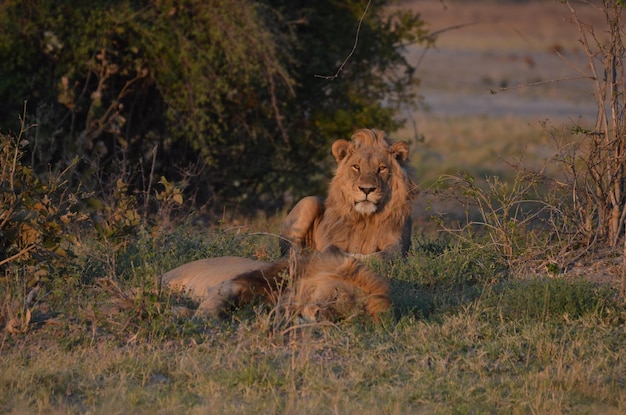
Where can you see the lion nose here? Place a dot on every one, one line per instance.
(367, 189)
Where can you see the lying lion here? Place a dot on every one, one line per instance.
(367, 211)
(323, 286)
(368, 208)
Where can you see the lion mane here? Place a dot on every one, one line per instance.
(368, 208)
(319, 287)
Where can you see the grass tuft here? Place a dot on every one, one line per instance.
(547, 299)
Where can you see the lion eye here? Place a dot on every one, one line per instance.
(356, 167)
(382, 169)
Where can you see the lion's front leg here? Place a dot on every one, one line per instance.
(299, 225)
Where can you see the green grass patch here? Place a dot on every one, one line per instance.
(464, 337)
(547, 299)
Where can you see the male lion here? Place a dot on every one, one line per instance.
(368, 208)
(325, 286)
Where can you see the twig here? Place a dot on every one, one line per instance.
(17, 149)
(433, 35)
(431, 39)
(270, 234)
(150, 181)
(624, 273)
(356, 41)
(314, 324)
(19, 254)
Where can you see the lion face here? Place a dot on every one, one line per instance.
(366, 166)
(367, 184)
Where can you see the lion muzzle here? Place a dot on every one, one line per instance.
(365, 207)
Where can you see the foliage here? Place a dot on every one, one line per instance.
(40, 231)
(513, 220)
(34, 220)
(228, 91)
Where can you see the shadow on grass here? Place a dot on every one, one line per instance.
(538, 299)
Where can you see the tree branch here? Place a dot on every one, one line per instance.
(356, 41)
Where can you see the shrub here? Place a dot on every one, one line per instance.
(246, 94)
(35, 233)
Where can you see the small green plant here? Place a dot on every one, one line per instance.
(169, 199)
(502, 217)
(120, 215)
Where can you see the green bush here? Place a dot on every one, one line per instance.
(35, 236)
(233, 95)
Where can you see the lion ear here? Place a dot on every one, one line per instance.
(340, 149)
(381, 136)
(400, 150)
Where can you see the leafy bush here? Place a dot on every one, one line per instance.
(35, 238)
(233, 94)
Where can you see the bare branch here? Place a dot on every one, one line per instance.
(356, 41)
(19, 254)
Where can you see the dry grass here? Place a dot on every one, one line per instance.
(511, 52)
(502, 24)
(460, 363)
(493, 91)
(483, 146)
